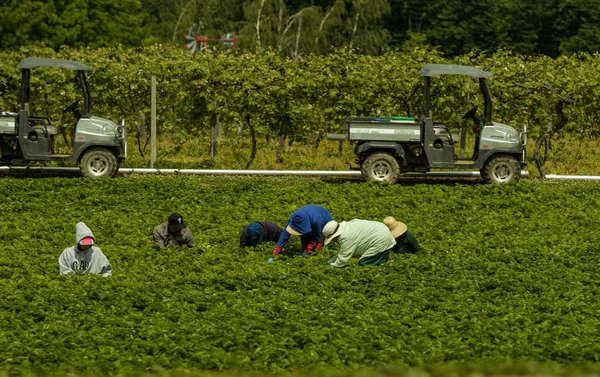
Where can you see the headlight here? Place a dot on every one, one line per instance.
(108, 130)
(512, 137)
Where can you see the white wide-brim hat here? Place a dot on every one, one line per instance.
(332, 229)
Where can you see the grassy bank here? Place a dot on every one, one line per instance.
(567, 157)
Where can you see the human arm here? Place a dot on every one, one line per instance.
(188, 238)
(412, 243)
(283, 239)
(106, 269)
(244, 238)
(64, 265)
(158, 238)
(344, 254)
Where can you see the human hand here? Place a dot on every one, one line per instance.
(271, 260)
(277, 250)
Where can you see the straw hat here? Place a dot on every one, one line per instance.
(291, 231)
(332, 229)
(396, 227)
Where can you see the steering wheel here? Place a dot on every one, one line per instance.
(71, 107)
(471, 113)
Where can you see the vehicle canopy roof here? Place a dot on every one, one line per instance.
(29, 63)
(431, 70)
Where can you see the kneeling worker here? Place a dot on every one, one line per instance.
(370, 241)
(83, 257)
(174, 232)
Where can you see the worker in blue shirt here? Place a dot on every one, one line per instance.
(307, 223)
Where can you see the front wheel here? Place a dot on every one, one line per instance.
(501, 169)
(381, 167)
(99, 163)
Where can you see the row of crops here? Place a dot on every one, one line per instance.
(508, 273)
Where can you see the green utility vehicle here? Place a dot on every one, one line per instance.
(385, 148)
(98, 144)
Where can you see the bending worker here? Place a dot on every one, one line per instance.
(406, 242)
(370, 241)
(258, 232)
(307, 223)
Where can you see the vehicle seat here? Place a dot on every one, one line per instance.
(41, 129)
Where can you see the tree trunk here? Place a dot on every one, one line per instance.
(354, 29)
(178, 22)
(321, 25)
(318, 139)
(262, 4)
(140, 134)
(298, 33)
(253, 153)
(214, 135)
(280, 146)
(539, 162)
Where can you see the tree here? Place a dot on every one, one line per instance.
(93, 23)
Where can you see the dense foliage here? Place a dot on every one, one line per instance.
(266, 94)
(508, 273)
(301, 27)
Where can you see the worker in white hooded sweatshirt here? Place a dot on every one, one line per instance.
(84, 257)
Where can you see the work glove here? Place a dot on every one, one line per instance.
(304, 254)
(271, 260)
(310, 247)
(277, 250)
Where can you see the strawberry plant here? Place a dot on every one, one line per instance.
(507, 275)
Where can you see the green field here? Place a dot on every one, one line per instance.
(508, 282)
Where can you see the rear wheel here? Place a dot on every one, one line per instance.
(99, 163)
(501, 169)
(381, 167)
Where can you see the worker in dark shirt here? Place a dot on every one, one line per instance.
(406, 242)
(258, 232)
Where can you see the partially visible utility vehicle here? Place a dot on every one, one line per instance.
(387, 147)
(98, 145)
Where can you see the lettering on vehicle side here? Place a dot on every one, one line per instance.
(484, 147)
(383, 131)
(406, 132)
(80, 138)
(497, 137)
(373, 131)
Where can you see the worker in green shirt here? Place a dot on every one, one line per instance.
(370, 241)
(406, 242)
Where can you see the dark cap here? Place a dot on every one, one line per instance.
(176, 221)
(255, 236)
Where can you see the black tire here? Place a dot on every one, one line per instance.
(501, 169)
(99, 163)
(382, 167)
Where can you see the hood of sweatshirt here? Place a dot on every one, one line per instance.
(81, 231)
